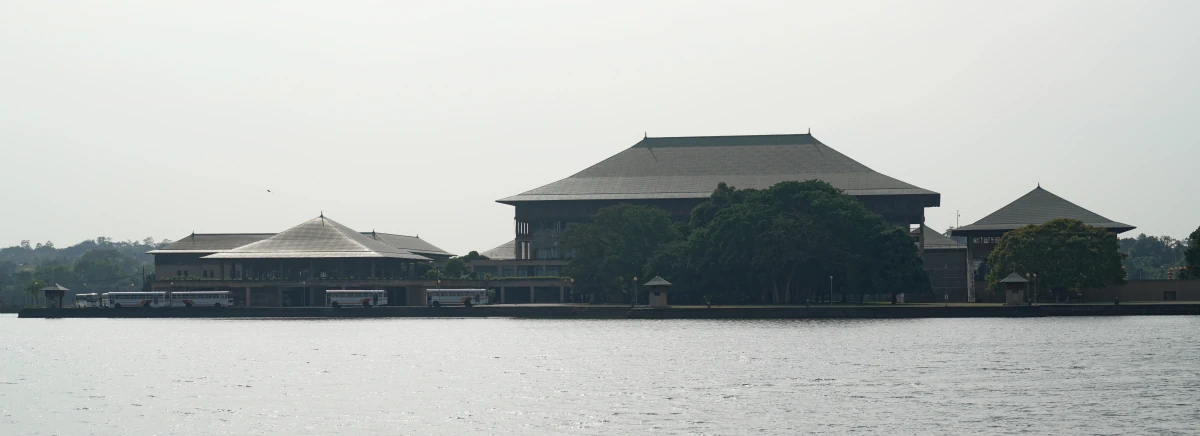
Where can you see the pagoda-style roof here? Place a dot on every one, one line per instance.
(319, 237)
(1037, 207)
(692, 167)
(208, 243)
(1014, 278)
(506, 251)
(56, 287)
(934, 240)
(657, 281)
(411, 244)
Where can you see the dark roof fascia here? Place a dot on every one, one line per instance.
(926, 199)
(969, 231)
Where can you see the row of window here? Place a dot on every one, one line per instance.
(355, 294)
(522, 271)
(204, 273)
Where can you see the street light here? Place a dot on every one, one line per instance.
(634, 303)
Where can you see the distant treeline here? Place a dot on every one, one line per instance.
(1151, 257)
(94, 265)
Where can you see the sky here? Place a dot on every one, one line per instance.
(158, 119)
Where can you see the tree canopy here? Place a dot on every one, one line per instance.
(94, 265)
(1150, 257)
(1192, 256)
(1068, 257)
(612, 249)
(779, 245)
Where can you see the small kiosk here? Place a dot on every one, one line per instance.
(54, 295)
(658, 291)
(1014, 289)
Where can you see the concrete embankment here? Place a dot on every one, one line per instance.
(616, 312)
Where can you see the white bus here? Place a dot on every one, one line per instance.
(201, 299)
(84, 301)
(118, 300)
(455, 297)
(365, 298)
(104, 300)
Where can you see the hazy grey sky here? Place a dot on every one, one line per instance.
(136, 119)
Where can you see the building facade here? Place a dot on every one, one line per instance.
(1034, 208)
(676, 174)
(295, 267)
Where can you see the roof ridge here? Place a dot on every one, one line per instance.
(729, 136)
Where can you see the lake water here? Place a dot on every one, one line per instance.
(1068, 376)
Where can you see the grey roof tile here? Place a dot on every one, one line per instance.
(409, 243)
(657, 281)
(319, 237)
(1014, 278)
(691, 167)
(505, 251)
(937, 241)
(211, 242)
(1038, 207)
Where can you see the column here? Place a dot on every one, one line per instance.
(249, 298)
(532, 294)
(922, 236)
(562, 294)
(279, 296)
(501, 294)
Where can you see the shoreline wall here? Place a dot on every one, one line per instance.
(612, 312)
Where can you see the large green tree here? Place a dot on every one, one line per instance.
(787, 243)
(614, 247)
(1068, 257)
(1192, 256)
(454, 268)
(1150, 257)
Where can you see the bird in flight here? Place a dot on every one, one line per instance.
(268, 190)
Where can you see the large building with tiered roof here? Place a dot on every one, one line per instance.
(678, 173)
(296, 266)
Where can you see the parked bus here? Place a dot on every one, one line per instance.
(455, 297)
(104, 300)
(84, 301)
(118, 300)
(365, 298)
(201, 299)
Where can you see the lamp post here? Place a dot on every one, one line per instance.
(1028, 298)
(1034, 288)
(830, 290)
(634, 303)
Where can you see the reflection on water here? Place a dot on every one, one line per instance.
(1126, 375)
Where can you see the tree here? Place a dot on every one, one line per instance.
(615, 246)
(455, 268)
(1150, 257)
(473, 255)
(783, 245)
(433, 274)
(1068, 257)
(1192, 256)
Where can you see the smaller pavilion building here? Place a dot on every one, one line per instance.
(1034, 208)
(295, 267)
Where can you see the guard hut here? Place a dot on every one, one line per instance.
(658, 291)
(1014, 289)
(54, 295)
